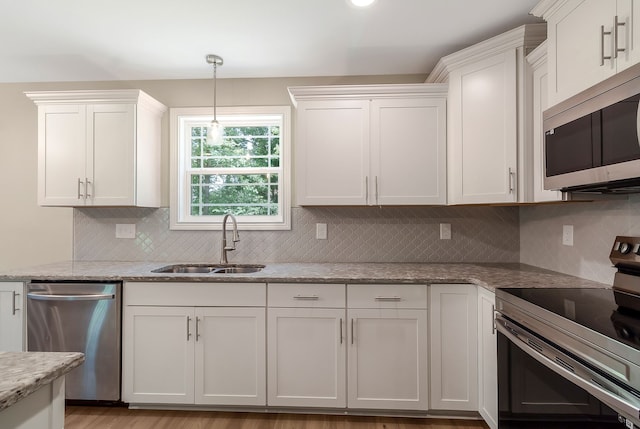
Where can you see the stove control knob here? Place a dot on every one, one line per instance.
(625, 248)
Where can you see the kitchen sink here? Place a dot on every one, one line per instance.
(209, 269)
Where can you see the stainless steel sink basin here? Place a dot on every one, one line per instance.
(209, 269)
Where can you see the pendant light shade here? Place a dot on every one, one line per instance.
(215, 130)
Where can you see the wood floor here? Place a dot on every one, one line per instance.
(123, 418)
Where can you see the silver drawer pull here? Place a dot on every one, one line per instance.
(307, 297)
(388, 298)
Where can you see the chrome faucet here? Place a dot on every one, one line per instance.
(236, 237)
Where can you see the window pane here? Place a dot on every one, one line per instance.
(217, 183)
(240, 194)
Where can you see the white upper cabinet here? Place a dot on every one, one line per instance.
(538, 64)
(489, 97)
(98, 148)
(370, 144)
(589, 40)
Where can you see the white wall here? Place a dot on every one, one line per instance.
(30, 234)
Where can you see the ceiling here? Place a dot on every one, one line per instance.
(82, 40)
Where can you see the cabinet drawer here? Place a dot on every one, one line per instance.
(387, 296)
(306, 295)
(196, 294)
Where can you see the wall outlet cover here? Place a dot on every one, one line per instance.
(567, 235)
(125, 230)
(321, 231)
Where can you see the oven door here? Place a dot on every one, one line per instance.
(540, 385)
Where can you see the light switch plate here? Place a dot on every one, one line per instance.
(125, 230)
(445, 231)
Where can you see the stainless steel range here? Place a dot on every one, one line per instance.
(571, 357)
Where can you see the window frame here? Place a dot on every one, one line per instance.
(180, 217)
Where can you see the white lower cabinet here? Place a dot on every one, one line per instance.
(487, 359)
(306, 345)
(453, 347)
(158, 364)
(387, 357)
(178, 354)
(12, 316)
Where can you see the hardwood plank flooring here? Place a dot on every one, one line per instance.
(78, 417)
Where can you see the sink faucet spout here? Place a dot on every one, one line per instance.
(234, 239)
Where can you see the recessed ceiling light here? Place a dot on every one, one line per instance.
(362, 3)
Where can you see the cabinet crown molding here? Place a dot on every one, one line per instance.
(547, 7)
(96, 97)
(354, 92)
(528, 36)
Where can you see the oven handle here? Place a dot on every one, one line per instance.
(40, 296)
(594, 384)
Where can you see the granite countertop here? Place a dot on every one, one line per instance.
(490, 276)
(22, 373)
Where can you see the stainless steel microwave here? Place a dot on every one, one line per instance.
(592, 140)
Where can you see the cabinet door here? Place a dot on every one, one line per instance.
(332, 152)
(576, 46)
(454, 337)
(482, 131)
(158, 355)
(61, 154)
(387, 366)
(111, 162)
(11, 316)
(629, 34)
(306, 357)
(540, 104)
(408, 151)
(487, 359)
(230, 356)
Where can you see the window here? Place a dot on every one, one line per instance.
(247, 174)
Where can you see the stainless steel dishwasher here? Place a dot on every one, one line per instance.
(79, 317)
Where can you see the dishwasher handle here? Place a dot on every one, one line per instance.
(44, 296)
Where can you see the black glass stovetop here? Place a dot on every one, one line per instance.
(596, 309)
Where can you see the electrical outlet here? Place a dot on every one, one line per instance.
(125, 230)
(445, 231)
(567, 235)
(321, 231)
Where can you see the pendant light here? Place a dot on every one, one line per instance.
(214, 131)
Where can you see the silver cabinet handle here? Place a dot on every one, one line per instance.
(79, 184)
(15, 309)
(377, 190)
(494, 313)
(44, 296)
(366, 189)
(388, 298)
(341, 330)
(602, 34)
(197, 328)
(188, 328)
(616, 25)
(512, 175)
(352, 323)
(86, 188)
(306, 297)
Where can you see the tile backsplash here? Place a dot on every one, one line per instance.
(355, 234)
(595, 226)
